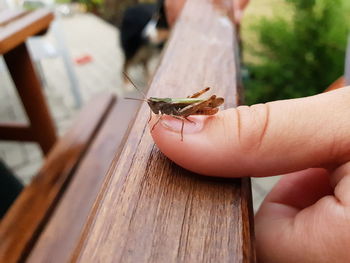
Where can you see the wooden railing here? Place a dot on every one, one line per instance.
(151, 210)
(145, 208)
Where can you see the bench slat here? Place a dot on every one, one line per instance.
(27, 216)
(62, 233)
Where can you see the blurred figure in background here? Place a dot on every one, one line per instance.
(143, 32)
(145, 28)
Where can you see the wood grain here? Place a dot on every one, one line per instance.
(30, 212)
(151, 210)
(61, 234)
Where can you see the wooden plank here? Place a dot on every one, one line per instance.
(62, 233)
(26, 218)
(151, 210)
(16, 32)
(247, 211)
(29, 90)
(16, 131)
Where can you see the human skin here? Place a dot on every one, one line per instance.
(306, 216)
(173, 9)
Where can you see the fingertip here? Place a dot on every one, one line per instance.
(201, 148)
(182, 148)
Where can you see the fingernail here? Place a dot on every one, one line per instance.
(194, 126)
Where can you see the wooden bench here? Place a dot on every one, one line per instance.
(83, 155)
(15, 28)
(125, 201)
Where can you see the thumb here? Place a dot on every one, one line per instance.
(263, 139)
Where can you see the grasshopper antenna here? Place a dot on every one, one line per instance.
(137, 88)
(127, 98)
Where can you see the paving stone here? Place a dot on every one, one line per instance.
(261, 187)
(32, 151)
(257, 200)
(265, 184)
(2, 154)
(13, 156)
(27, 172)
(64, 125)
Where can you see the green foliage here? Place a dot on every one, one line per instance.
(299, 55)
(92, 5)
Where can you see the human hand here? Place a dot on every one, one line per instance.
(173, 9)
(306, 217)
(238, 9)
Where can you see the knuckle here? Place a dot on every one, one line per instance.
(252, 126)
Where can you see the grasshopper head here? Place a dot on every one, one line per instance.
(153, 104)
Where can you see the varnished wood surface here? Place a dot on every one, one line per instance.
(30, 212)
(17, 26)
(151, 210)
(16, 131)
(62, 233)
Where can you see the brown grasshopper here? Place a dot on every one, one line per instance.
(181, 108)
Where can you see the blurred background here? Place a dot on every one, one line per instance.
(290, 48)
(293, 48)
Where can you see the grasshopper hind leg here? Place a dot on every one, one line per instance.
(182, 118)
(187, 119)
(159, 118)
(182, 130)
(197, 94)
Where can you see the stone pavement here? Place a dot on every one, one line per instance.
(84, 34)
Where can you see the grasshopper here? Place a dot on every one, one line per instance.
(181, 108)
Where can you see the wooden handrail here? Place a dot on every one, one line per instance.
(151, 210)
